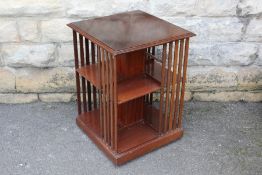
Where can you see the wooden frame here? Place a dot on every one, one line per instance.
(122, 119)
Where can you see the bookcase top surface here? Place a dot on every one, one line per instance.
(129, 31)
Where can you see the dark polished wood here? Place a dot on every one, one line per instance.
(87, 55)
(136, 87)
(116, 59)
(163, 78)
(76, 73)
(125, 32)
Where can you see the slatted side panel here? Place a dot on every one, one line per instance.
(88, 96)
(181, 106)
(174, 67)
(84, 52)
(108, 98)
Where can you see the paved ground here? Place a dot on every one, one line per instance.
(220, 138)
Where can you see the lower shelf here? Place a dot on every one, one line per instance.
(133, 141)
(128, 137)
(133, 136)
(90, 120)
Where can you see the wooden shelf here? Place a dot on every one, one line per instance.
(131, 140)
(127, 90)
(90, 120)
(136, 87)
(134, 136)
(128, 137)
(91, 73)
(155, 72)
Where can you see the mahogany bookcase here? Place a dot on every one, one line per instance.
(122, 62)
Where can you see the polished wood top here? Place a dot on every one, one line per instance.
(129, 31)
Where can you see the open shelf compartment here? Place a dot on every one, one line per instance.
(128, 137)
(129, 89)
(132, 139)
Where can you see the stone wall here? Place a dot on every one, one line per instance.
(36, 55)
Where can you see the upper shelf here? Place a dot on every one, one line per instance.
(91, 73)
(130, 31)
(136, 87)
(128, 89)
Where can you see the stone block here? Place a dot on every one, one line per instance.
(65, 55)
(79, 8)
(254, 31)
(252, 96)
(249, 7)
(29, 55)
(211, 78)
(56, 97)
(222, 54)
(7, 80)
(18, 98)
(31, 7)
(249, 78)
(61, 79)
(194, 7)
(218, 96)
(259, 56)
(8, 30)
(228, 96)
(55, 30)
(209, 29)
(28, 30)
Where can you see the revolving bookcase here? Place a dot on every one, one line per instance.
(123, 64)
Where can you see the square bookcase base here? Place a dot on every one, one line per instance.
(132, 153)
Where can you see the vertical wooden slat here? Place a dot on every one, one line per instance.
(100, 92)
(94, 62)
(183, 84)
(147, 70)
(163, 72)
(168, 84)
(77, 75)
(106, 96)
(152, 70)
(115, 103)
(103, 92)
(181, 50)
(110, 100)
(82, 59)
(173, 86)
(88, 83)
